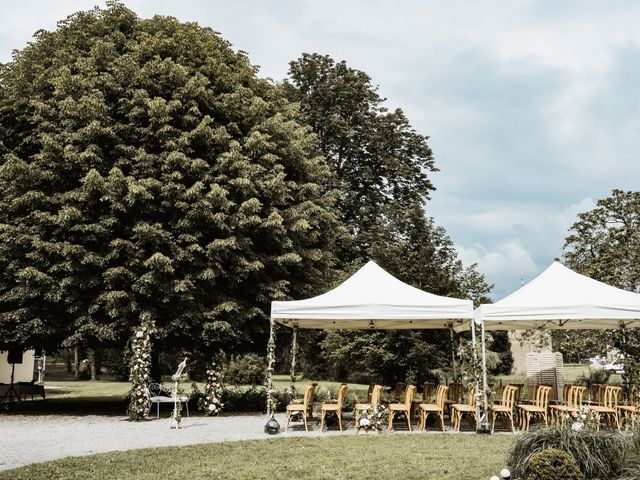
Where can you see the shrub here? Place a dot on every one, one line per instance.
(253, 399)
(600, 455)
(553, 464)
(249, 369)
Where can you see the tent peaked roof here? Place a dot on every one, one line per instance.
(373, 298)
(561, 298)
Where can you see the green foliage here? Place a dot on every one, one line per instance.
(599, 454)
(605, 242)
(378, 159)
(553, 464)
(253, 399)
(145, 168)
(248, 369)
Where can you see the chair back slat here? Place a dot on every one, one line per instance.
(375, 395)
(308, 395)
(341, 394)
(410, 392)
(370, 392)
(441, 395)
(471, 397)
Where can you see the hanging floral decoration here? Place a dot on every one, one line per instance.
(212, 401)
(139, 398)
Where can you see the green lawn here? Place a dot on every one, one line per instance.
(425, 457)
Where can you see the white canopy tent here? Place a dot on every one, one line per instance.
(370, 299)
(373, 298)
(559, 298)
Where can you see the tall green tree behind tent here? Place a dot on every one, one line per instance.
(381, 167)
(145, 168)
(379, 160)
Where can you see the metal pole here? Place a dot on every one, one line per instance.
(484, 420)
(271, 352)
(294, 351)
(453, 355)
(477, 380)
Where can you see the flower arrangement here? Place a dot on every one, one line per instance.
(583, 419)
(373, 419)
(212, 404)
(139, 398)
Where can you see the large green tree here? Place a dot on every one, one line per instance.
(379, 160)
(146, 170)
(604, 244)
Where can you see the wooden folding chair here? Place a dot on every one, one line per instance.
(436, 408)
(460, 409)
(505, 407)
(302, 408)
(334, 407)
(402, 407)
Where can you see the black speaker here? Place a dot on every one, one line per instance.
(14, 355)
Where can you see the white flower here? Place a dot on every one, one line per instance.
(139, 334)
(364, 422)
(583, 417)
(577, 426)
(212, 407)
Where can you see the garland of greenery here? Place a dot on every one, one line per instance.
(271, 360)
(139, 398)
(212, 404)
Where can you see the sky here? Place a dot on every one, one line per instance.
(531, 106)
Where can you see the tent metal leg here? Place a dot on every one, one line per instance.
(484, 419)
(294, 352)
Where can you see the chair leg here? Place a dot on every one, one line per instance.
(322, 414)
(288, 420)
(339, 419)
(304, 419)
(408, 419)
(391, 413)
(493, 422)
(440, 414)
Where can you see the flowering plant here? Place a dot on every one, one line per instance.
(212, 403)
(374, 418)
(139, 398)
(582, 419)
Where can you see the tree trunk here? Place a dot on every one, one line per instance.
(76, 362)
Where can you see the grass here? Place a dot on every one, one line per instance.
(427, 457)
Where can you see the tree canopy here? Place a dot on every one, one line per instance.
(145, 169)
(604, 244)
(381, 167)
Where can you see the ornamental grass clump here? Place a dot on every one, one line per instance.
(553, 464)
(599, 454)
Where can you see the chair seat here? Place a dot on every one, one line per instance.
(463, 407)
(362, 406)
(296, 406)
(397, 406)
(628, 408)
(330, 407)
(499, 408)
(531, 408)
(429, 407)
(600, 409)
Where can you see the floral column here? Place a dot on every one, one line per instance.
(294, 353)
(213, 391)
(140, 402)
(271, 359)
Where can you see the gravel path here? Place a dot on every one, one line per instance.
(32, 439)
